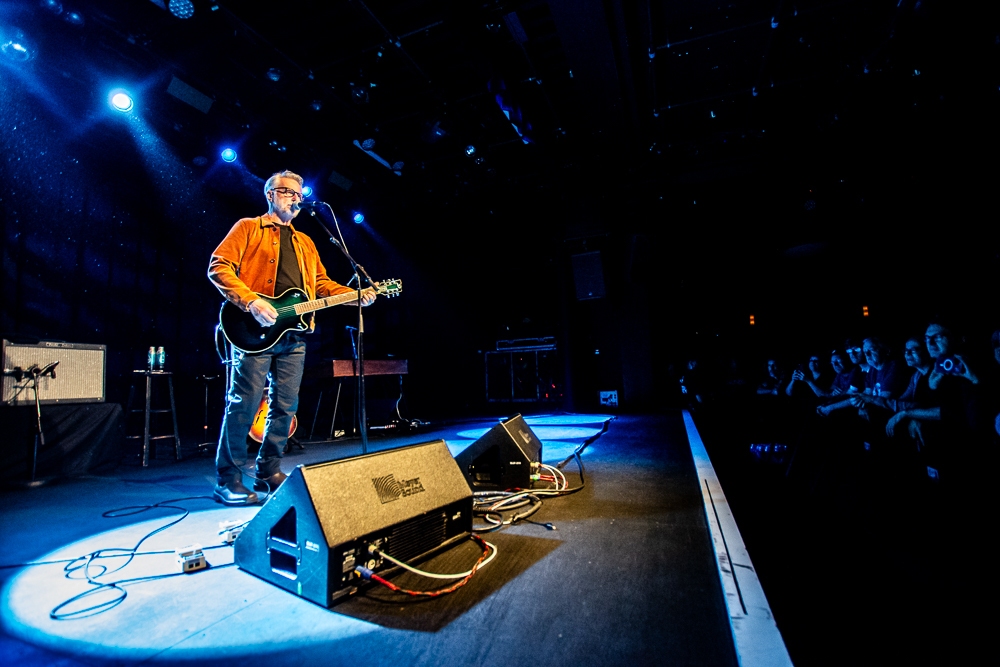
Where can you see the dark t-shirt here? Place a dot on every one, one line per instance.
(917, 394)
(858, 377)
(843, 381)
(771, 384)
(888, 382)
(289, 274)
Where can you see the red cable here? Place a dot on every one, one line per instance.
(441, 591)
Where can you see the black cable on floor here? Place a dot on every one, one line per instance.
(83, 564)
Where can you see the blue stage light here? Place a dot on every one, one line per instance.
(74, 18)
(470, 150)
(120, 100)
(182, 9)
(228, 155)
(359, 217)
(307, 191)
(16, 46)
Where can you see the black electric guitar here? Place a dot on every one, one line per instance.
(246, 333)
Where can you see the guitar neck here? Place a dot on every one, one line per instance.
(327, 301)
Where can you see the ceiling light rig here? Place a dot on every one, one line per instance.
(396, 167)
(71, 16)
(511, 110)
(359, 92)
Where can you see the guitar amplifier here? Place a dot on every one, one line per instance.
(77, 375)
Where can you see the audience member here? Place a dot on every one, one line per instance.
(692, 384)
(945, 419)
(773, 381)
(844, 375)
(882, 381)
(813, 378)
(916, 392)
(857, 357)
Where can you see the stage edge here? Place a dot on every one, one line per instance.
(755, 634)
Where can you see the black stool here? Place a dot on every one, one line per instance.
(146, 437)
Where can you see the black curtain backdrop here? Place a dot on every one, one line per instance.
(79, 439)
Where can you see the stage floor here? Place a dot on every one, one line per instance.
(628, 575)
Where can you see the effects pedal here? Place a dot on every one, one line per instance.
(191, 558)
(230, 530)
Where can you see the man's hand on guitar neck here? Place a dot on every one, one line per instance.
(263, 312)
(368, 295)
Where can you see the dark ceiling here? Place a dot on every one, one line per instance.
(804, 114)
(778, 158)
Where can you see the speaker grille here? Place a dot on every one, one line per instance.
(79, 373)
(413, 538)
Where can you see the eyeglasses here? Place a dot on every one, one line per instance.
(288, 192)
(912, 350)
(935, 338)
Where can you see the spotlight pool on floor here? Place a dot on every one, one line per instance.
(222, 606)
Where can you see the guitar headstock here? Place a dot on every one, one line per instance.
(389, 288)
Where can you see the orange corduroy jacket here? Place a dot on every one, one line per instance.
(246, 262)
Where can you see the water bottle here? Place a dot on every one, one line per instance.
(161, 358)
(151, 359)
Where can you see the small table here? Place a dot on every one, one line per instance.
(345, 368)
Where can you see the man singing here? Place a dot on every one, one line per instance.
(265, 255)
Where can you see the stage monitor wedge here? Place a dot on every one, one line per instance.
(312, 532)
(504, 458)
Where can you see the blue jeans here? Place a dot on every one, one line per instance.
(282, 365)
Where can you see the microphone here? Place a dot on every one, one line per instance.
(49, 369)
(307, 205)
(17, 372)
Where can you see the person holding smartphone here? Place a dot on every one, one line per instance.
(946, 423)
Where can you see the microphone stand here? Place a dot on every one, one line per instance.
(39, 441)
(359, 362)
